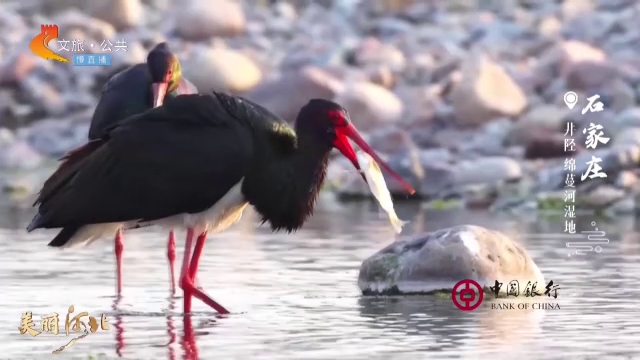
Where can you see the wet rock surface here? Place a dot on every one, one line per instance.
(436, 261)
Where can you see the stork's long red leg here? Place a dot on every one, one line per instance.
(118, 248)
(197, 252)
(171, 256)
(193, 269)
(184, 273)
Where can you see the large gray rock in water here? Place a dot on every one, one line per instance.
(438, 260)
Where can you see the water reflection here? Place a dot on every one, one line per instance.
(171, 329)
(295, 296)
(119, 326)
(448, 328)
(188, 340)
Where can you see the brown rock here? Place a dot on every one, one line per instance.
(589, 74)
(558, 61)
(485, 92)
(293, 89)
(546, 146)
(370, 105)
(570, 53)
(549, 26)
(386, 6)
(122, 14)
(382, 76)
(628, 180)
(574, 8)
(200, 19)
(18, 68)
(222, 69)
(372, 52)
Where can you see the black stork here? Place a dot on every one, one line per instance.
(197, 162)
(133, 91)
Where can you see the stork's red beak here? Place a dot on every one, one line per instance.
(344, 133)
(159, 91)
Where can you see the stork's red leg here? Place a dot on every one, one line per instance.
(171, 256)
(197, 252)
(118, 248)
(184, 273)
(193, 269)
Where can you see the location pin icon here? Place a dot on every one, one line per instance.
(571, 99)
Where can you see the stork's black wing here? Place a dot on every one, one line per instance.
(124, 95)
(178, 158)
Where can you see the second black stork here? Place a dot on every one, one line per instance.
(133, 91)
(197, 162)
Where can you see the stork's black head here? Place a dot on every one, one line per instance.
(330, 123)
(165, 71)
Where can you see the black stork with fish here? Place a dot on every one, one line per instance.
(134, 91)
(197, 162)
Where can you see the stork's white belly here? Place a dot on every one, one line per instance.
(227, 211)
(224, 213)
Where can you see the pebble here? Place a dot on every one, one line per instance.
(485, 92)
(198, 20)
(373, 106)
(222, 69)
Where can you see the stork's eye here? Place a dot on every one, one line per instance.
(336, 117)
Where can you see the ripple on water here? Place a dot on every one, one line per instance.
(295, 296)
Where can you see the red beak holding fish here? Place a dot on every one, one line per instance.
(344, 131)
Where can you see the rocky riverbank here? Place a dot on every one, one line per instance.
(464, 97)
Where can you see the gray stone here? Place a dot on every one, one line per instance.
(627, 118)
(19, 155)
(438, 260)
(630, 136)
(199, 20)
(626, 206)
(627, 180)
(601, 196)
(490, 139)
(487, 170)
(55, 137)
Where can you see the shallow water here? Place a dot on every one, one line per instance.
(295, 296)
